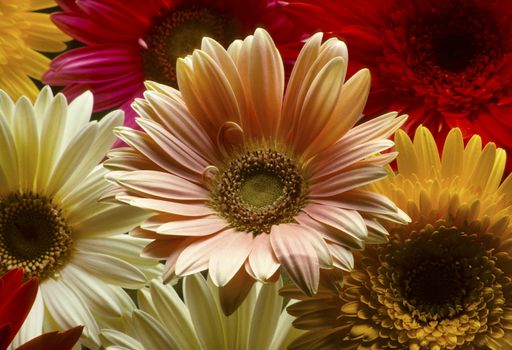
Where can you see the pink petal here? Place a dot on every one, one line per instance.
(177, 150)
(347, 221)
(297, 256)
(192, 209)
(262, 260)
(202, 226)
(196, 256)
(163, 185)
(235, 292)
(347, 181)
(230, 257)
(343, 258)
(182, 125)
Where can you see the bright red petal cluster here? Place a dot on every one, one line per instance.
(445, 63)
(16, 299)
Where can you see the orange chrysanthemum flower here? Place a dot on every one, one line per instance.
(245, 178)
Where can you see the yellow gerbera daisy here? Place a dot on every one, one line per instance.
(24, 33)
(245, 177)
(165, 321)
(444, 280)
(51, 223)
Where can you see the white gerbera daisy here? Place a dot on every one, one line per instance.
(51, 223)
(165, 321)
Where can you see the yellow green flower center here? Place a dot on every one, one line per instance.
(33, 235)
(176, 34)
(259, 189)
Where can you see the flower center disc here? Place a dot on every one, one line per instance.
(176, 34)
(453, 41)
(259, 189)
(439, 273)
(33, 235)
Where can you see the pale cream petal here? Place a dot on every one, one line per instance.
(233, 294)
(69, 164)
(93, 291)
(296, 255)
(68, 310)
(114, 339)
(26, 139)
(151, 334)
(203, 311)
(262, 259)
(229, 257)
(114, 220)
(122, 246)
(53, 126)
(266, 316)
(172, 311)
(79, 114)
(8, 156)
(110, 269)
(43, 101)
(8, 107)
(285, 333)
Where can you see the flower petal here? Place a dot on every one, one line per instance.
(297, 256)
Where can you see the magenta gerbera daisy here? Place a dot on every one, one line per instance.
(129, 41)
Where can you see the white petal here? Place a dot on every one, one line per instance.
(266, 316)
(68, 310)
(110, 269)
(203, 310)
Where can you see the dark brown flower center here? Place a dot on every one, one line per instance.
(176, 34)
(33, 235)
(453, 40)
(259, 189)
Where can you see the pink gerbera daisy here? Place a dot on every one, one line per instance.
(129, 41)
(245, 178)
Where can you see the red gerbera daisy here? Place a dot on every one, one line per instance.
(129, 41)
(445, 63)
(16, 299)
